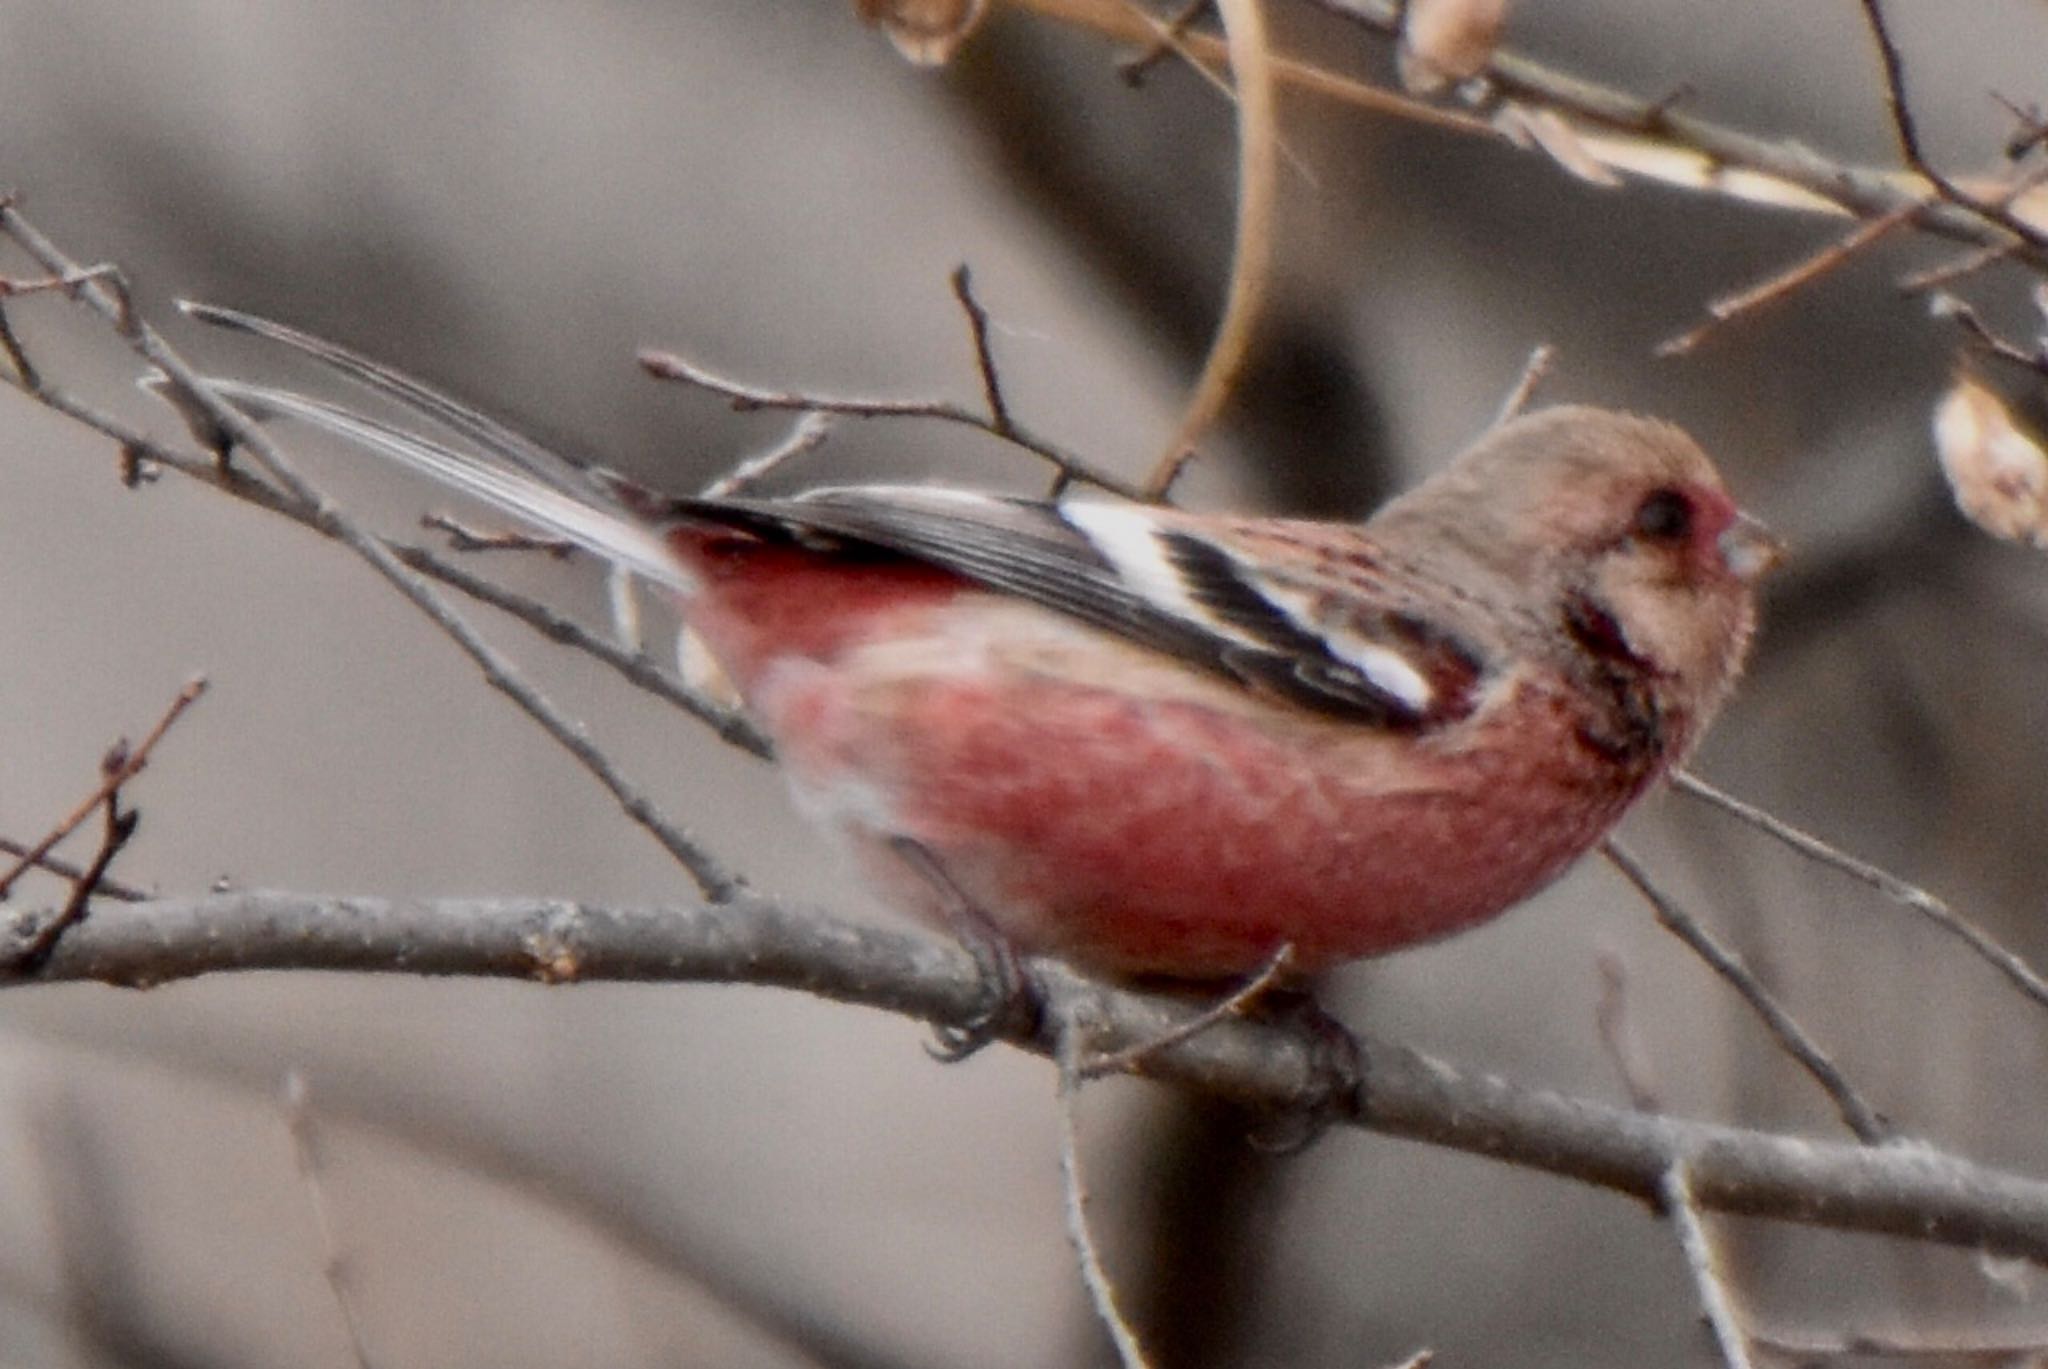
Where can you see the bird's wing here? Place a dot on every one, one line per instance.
(1301, 610)
(1310, 628)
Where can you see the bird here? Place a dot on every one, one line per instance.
(1161, 744)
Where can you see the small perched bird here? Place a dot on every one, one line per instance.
(1159, 743)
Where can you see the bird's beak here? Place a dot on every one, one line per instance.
(1749, 549)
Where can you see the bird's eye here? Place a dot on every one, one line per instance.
(1664, 516)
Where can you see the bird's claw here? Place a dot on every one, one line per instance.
(1011, 1006)
(1336, 1087)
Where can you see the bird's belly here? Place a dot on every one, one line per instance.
(1162, 828)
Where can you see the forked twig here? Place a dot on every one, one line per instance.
(807, 436)
(744, 398)
(110, 302)
(126, 764)
(1908, 133)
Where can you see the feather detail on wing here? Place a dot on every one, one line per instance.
(1303, 611)
(1161, 579)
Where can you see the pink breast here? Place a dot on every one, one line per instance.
(1175, 839)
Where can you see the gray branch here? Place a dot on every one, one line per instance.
(1909, 1190)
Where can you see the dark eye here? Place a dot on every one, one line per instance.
(1664, 516)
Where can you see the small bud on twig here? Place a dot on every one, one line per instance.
(1997, 470)
(1447, 41)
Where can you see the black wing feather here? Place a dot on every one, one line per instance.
(1025, 547)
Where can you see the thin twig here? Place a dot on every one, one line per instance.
(1949, 272)
(1935, 910)
(733, 728)
(745, 398)
(1258, 163)
(662, 1236)
(984, 360)
(1944, 1352)
(462, 537)
(1617, 1035)
(1534, 371)
(1907, 130)
(1723, 153)
(1074, 1194)
(296, 1107)
(1223, 1009)
(1683, 1212)
(1793, 1039)
(64, 869)
(116, 832)
(25, 373)
(1133, 69)
(1791, 279)
(112, 777)
(805, 437)
(1971, 322)
(498, 671)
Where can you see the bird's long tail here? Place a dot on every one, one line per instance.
(595, 509)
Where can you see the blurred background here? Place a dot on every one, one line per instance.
(511, 197)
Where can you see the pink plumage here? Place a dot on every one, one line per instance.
(1154, 742)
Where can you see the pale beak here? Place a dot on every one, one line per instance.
(1749, 549)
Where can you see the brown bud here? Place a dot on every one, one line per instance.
(1445, 41)
(1996, 468)
(927, 32)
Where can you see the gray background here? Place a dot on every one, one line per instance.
(511, 198)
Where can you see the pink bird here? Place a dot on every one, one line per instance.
(1158, 743)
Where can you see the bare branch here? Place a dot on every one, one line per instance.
(1793, 1039)
(1623, 1046)
(745, 398)
(1534, 372)
(807, 436)
(1791, 279)
(1916, 1192)
(1069, 1057)
(984, 360)
(1949, 272)
(462, 537)
(64, 869)
(111, 304)
(1133, 69)
(295, 1105)
(124, 764)
(1907, 129)
(1860, 191)
(1912, 896)
(1251, 258)
(1715, 1299)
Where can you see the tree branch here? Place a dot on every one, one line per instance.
(1916, 1192)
